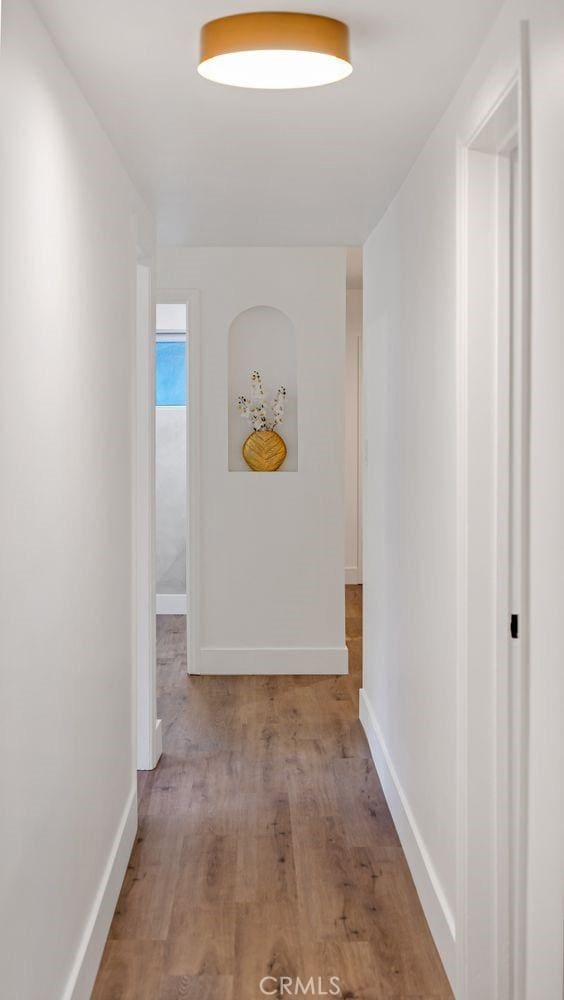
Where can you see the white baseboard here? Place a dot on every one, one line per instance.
(275, 660)
(353, 575)
(171, 604)
(83, 973)
(433, 900)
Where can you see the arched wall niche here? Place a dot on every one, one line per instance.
(262, 338)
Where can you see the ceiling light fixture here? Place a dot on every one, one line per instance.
(274, 50)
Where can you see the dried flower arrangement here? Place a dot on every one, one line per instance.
(254, 410)
(264, 450)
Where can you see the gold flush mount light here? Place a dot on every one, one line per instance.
(275, 50)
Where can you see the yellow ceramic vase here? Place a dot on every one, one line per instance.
(264, 451)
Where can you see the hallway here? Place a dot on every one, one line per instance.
(265, 847)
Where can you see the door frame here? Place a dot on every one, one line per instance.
(149, 730)
(510, 726)
(190, 297)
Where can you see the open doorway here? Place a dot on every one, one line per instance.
(171, 400)
(177, 458)
(353, 419)
(166, 494)
(171, 508)
(353, 463)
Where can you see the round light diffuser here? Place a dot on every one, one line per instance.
(274, 50)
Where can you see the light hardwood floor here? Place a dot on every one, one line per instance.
(265, 847)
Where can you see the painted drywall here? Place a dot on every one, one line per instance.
(67, 309)
(353, 465)
(312, 167)
(409, 475)
(410, 500)
(271, 545)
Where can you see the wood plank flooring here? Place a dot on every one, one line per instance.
(265, 847)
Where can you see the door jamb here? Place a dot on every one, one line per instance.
(514, 973)
(149, 732)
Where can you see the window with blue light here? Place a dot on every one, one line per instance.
(170, 372)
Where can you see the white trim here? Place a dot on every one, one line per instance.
(170, 338)
(171, 604)
(274, 660)
(521, 721)
(85, 966)
(502, 573)
(359, 457)
(193, 489)
(462, 577)
(429, 889)
(510, 946)
(144, 523)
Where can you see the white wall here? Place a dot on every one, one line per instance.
(67, 253)
(353, 478)
(409, 559)
(271, 545)
(410, 567)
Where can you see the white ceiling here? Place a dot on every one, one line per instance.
(227, 166)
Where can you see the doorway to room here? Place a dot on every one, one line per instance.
(166, 491)
(171, 401)
(171, 508)
(353, 419)
(353, 463)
